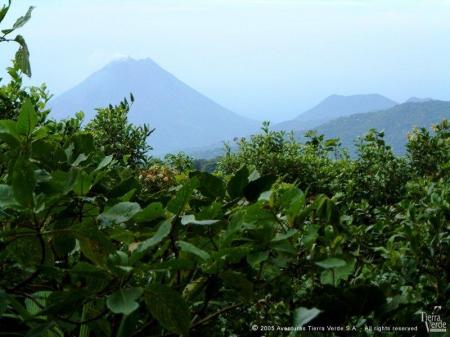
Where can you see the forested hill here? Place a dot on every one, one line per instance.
(396, 123)
(182, 116)
(336, 106)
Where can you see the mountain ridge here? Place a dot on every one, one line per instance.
(335, 106)
(183, 117)
(395, 122)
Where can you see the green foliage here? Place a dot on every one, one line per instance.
(124, 141)
(396, 123)
(286, 234)
(309, 165)
(429, 153)
(22, 55)
(180, 162)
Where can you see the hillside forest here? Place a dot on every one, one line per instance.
(277, 238)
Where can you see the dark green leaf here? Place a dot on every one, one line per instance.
(162, 232)
(20, 22)
(8, 132)
(123, 301)
(190, 248)
(153, 211)
(82, 184)
(4, 10)
(23, 182)
(22, 57)
(303, 315)
(177, 204)
(254, 189)
(190, 220)
(7, 197)
(331, 262)
(210, 185)
(237, 183)
(104, 163)
(27, 118)
(93, 243)
(239, 282)
(119, 213)
(169, 308)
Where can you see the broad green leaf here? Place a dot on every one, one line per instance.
(331, 262)
(190, 248)
(123, 301)
(333, 276)
(4, 10)
(8, 132)
(122, 235)
(153, 211)
(311, 234)
(83, 143)
(40, 298)
(253, 190)
(285, 236)
(161, 233)
(19, 308)
(22, 57)
(177, 204)
(119, 213)
(81, 158)
(83, 183)
(292, 200)
(239, 282)
(210, 185)
(190, 220)
(7, 197)
(255, 259)
(20, 22)
(303, 316)
(127, 196)
(93, 243)
(127, 325)
(23, 182)
(27, 119)
(169, 308)
(63, 243)
(104, 163)
(237, 183)
(326, 209)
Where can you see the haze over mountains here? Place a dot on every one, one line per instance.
(335, 106)
(186, 120)
(183, 117)
(396, 123)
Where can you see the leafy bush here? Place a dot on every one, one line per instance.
(309, 165)
(428, 153)
(117, 137)
(285, 235)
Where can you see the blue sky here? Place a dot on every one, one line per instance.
(266, 59)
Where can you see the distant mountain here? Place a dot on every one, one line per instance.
(418, 100)
(396, 123)
(336, 106)
(183, 117)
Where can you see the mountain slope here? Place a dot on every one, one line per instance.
(336, 106)
(396, 123)
(183, 117)
(418, 100)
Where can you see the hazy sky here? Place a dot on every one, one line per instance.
(260, 58)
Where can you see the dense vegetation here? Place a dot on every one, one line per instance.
(98, 239)
(396, 123)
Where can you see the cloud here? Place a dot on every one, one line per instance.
(98, 58)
